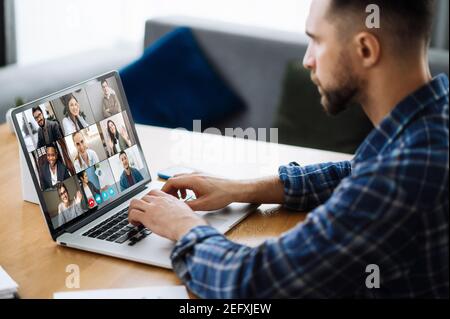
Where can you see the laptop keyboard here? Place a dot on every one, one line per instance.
(117, 229)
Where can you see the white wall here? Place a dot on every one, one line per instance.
(53, 28)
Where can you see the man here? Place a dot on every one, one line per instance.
(387, 208)
(85, 157)
(110, 102)
(49, 131)
(53, 171)
(130, 175)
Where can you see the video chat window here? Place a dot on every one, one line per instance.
(52, 164)
(65, 202)
(105, 98)
(85, 148)
(98, 184)
(39, 126)
(82, 149)
(117, 133)
(128, 168)
(73, 111)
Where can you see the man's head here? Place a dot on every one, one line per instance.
(38, 115)
(344, 52)
(52, 155)
(105, 87)
(80, 143)
(124, 159)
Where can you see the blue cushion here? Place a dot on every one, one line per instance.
(173, 84)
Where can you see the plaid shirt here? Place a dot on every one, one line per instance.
(388, 207)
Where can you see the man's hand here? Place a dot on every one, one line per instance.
(211, 192)
(163, 214)
(215, 193)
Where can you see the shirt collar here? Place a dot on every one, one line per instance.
(394, 123)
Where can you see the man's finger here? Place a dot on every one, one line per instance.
(135, 217)
(157, 193)
(138, 204)
(148, 198)
(197, 204)
(176, 183)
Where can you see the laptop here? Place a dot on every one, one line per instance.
(87, 164)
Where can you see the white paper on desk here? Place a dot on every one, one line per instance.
(7, 285)
(165, 292)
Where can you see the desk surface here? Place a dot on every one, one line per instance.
(38, 265)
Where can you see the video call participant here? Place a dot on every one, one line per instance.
(68, 208)
(49, 131)
(73, 121)
(85, 157)
(54, 170)
(118, 141)
(130, 175)
(88, 187)
(110, 102)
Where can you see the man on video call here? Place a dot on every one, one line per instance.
(130, 175)
(387, 207)
(49, 131)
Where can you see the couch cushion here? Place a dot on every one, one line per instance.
(302, 121)
(173, 84)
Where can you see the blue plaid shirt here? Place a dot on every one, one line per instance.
(388, 207)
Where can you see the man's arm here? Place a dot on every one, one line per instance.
(41, 141)
(57, 135)
(307, 187)
(300, 188)
(324, 257)
(105, 108)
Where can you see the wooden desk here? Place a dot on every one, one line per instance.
(38, 265)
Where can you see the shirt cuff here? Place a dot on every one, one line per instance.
(291, 177)
(186, 244)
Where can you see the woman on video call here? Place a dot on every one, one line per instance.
(73, 121)
(88, 187)
(118, 141)
(68, 208)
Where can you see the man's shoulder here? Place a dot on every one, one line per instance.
(53, 123)
(427, 133)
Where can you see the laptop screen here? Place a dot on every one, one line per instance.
(83, 149)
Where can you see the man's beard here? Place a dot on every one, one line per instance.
(337, 99)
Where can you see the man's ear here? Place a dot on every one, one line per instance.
(368, 49)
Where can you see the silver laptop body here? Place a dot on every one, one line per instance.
(92, 215)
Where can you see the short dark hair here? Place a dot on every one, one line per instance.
(36, 108)
(408, 21)
(104, 81)
(51, 146)
(122, 153)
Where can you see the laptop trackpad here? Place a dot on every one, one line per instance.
(224, 219)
